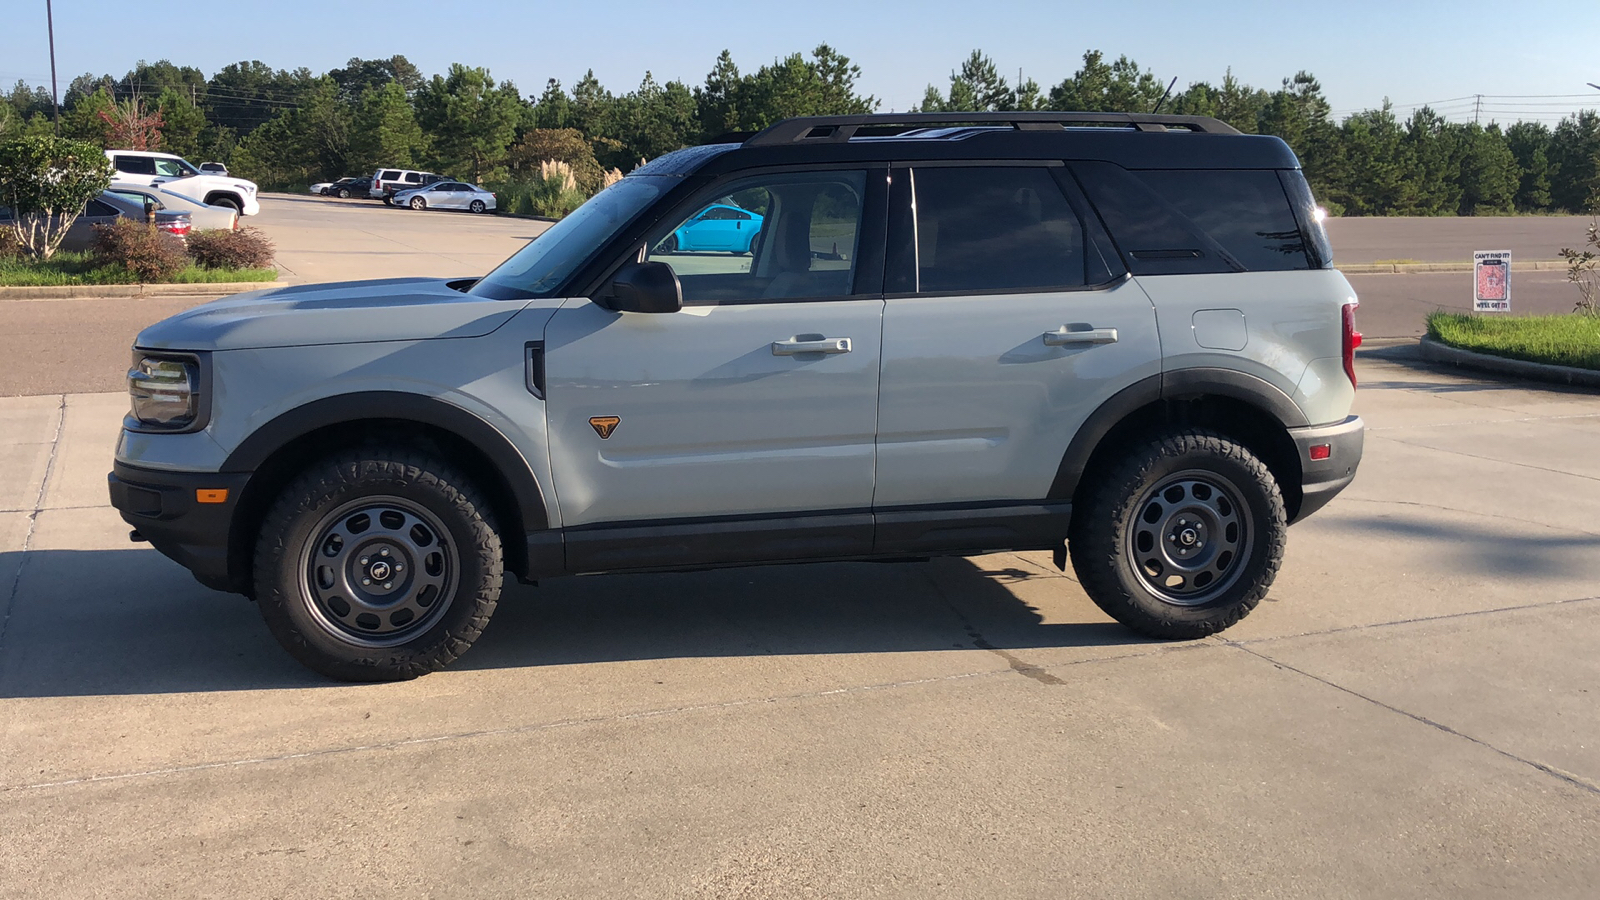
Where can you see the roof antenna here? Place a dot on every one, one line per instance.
(1164, 94)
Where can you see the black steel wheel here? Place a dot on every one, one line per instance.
(378, 565)
(1182, 537)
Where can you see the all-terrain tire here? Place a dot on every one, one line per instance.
(1136, 517)
(422, 513)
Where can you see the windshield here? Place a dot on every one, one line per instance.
(552, 257)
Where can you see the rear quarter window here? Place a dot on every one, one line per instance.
(135, 165)
(1193, 221)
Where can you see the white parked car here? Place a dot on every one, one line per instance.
(204, 218)
(319, 187)
(179, 176)
(447, 195)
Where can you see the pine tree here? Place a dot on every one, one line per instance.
(386, 132)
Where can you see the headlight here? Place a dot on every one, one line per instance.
(165, 391)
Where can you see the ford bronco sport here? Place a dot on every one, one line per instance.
(1118, 337)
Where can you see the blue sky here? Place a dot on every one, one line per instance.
(1362, 51)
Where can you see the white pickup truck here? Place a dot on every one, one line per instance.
(177, 175)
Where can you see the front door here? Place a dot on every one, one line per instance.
(1006, 326)
(758, 399)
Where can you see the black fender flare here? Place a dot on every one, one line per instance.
(296, 423)
(1173, 385)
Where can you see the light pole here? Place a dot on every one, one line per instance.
(55, 93)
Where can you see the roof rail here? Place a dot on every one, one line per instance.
(836, 129)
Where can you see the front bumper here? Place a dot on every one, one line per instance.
(1322, 479)
(163, 507)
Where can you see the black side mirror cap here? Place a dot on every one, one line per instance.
(647, 287)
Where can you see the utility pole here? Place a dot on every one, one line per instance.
(1477, 107)
(55, 93)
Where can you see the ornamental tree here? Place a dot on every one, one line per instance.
(45, 182)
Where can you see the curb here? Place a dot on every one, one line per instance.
(132, 291)
(1424, 268)
(1434, 351)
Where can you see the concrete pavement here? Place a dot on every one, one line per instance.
(1415, 711)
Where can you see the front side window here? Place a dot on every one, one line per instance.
(985, 229)
(174, 168)
(787, 236)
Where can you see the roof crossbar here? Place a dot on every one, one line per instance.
(837, 129)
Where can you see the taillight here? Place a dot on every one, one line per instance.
(1352, 340)
(180, 229)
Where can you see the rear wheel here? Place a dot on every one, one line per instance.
(344, 193)
(1181, 539)
(378, 565)
(478, 206)
(418, 203)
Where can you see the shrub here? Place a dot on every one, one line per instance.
(246, 248)
(46, 181)
(146, 251)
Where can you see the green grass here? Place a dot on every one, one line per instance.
(64, 269)
(1570, 340)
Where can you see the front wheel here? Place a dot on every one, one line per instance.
(378, 565)
(418, 203)
(478, 206)
(226, 203)
(1182, 538)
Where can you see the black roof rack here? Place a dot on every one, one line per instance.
(835, 129)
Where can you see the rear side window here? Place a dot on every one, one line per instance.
(1192, 221)
(96, 209)
(413, 178)
(389, 175)
(135, 165)
(989, 229)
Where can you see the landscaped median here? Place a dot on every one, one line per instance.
(73, 269)
(1564, 349)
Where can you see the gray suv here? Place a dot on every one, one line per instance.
(1116, 337)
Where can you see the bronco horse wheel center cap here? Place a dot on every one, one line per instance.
(380, 570)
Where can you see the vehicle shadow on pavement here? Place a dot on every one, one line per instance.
(118, 622)
(1530, 553)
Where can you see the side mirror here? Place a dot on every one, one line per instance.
(649, 287)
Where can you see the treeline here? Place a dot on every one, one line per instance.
(287, 128)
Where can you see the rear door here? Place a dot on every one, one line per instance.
(137, 169)
(1008, 321)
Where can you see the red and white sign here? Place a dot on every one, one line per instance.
(1491, 281)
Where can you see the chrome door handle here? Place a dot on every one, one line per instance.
(823, 345)
(1093, 336)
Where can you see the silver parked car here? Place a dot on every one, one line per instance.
(104, 210)
(204, 217)
(448, 195)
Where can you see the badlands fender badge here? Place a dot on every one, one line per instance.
(604, 425)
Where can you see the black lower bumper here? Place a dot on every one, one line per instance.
(165, 508)
(1322, 479)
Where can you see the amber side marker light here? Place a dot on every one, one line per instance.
(218, 495)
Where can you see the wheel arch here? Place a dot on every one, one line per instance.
(214, 196)
(281, 448)
(1243, 407)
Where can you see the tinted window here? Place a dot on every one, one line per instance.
(783, 237)
(97, 209)
(413, 178)
(1194, 221)
(995, 229)
(388, 175)
(1244, 211)
(136, 165)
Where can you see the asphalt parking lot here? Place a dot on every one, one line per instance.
(1415, 710)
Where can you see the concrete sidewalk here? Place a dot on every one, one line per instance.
(1415, 711)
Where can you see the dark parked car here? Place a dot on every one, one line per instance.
(345, 188)
(104, 210)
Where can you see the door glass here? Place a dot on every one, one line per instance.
(136, 165)
(995, 229)
(169, 168)
(774, 237)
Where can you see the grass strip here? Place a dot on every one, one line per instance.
(1570, 340)
(66, 269)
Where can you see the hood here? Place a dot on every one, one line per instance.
(391, 309)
